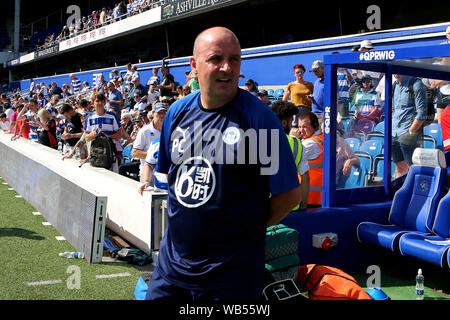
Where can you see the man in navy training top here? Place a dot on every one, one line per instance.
(223, 187)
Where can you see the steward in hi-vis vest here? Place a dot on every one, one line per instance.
(316, 174)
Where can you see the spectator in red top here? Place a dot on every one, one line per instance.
(22, 127)
(445, 125)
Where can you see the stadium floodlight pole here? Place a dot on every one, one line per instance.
(163, 63)
(16, 28)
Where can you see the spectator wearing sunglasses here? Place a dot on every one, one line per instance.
(299, 91)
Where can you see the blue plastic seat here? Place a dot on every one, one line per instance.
(379, 127)
(432, 248)
(434, 130)
(359, 175)
(372, 147)
(270, 92)
(378, 168)
(414, 205)
(354, 143)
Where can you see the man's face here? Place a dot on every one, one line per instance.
(264, 99)
(3, 119)
(319, 72)
(305, 128)
(399, 77)
(99, 106)
(158, 117)
(111, 86)
(32, 106)
(217, 64)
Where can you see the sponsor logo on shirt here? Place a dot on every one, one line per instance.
(195, 182)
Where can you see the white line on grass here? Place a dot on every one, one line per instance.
(42, 283)
(104, 276)
(46, 224)
(18, 196)
(10, 189)
(60, 238)
(36, 213)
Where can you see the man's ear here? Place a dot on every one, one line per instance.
(193, 64)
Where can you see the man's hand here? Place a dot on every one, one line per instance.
(65, 136)
(91, 136)
(143, 187)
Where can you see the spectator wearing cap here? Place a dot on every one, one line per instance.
(154, 78)
(366, 45)
(115, 98)
(167, 83)
(251, 86)
(318, 92)
(149, 176)
(299, 91)
(5, 125)
(263, 95)
(367, 104)
(148, 133)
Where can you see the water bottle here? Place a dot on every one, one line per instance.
(419, 285)
(77, 153)
(72, 255)
(60, 146)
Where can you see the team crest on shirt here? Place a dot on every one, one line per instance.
(195, 182)
(231, 135)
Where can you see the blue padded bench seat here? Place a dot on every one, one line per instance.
(414, 205)
(432, 248)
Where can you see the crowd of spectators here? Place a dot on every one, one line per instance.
(66, 117)
(139, 107)
(98, 19)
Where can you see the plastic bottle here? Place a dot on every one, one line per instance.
(60, 146)
(419, 285)
(77, 153)
(72, 255)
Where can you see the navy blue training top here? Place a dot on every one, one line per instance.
(217, 206)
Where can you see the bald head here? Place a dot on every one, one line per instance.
(211, 35)
(217, 61)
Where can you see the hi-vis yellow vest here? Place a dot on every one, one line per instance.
(296, 147)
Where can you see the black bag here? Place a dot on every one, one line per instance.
(102, 151)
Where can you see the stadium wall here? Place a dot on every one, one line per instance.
(271, 66)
